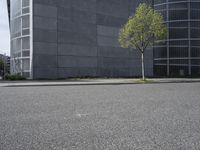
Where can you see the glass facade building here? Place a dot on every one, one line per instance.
(20, 37)
(179, 54)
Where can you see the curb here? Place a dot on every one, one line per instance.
(95, 83)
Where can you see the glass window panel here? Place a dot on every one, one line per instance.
(195, 14)
(176, 71)
(178, 52)
(195, 62)
(195, 33)
(15, 8)
(178, 14)
(178, 5)
(178, 24)
(179, 43)
(25, 21)
(195, 43)
(179, 61)
(16, 25)
(26, 74)
(195, 24)
(178, 33)
(195, 70)
(25, 32)
(195, 5)
(25, 10)
(160, 52)
(195, 52)
(160, 70)
(26, 53)
(25, 43)
(25, 3)
(26, 64)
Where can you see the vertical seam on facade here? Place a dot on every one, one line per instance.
(97, 47)
(189, 39)
(168, 68)
(57, 66)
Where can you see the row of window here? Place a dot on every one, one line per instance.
(157, 2)
(194, 62)
(180, 14)
(20, 26)
(178, 43)
(20, 37)
(182, 5)
(18, 7)
(174, 71)
(161, 52)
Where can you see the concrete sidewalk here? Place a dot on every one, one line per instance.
(73, 82)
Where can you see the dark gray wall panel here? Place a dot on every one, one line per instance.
(64, 13)
(67, 72)
(45, 23)
(42, 60)
(105, 51)
(45, 10)
(107, 41)
(77, 38)
(45, 73)
(108, 31)
(67, 25)
(107, 62)
(45, 48)
(110, 20)
(41, 35)
(87, 5)
(75, 61)
(115, 8)
(77, 50)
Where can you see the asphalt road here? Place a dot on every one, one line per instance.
(118, 117)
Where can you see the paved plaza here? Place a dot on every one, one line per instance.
(162, 116)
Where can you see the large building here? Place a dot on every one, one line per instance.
(53, 39)
(179, 54)
(72, 38)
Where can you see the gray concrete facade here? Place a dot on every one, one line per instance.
(78, 38)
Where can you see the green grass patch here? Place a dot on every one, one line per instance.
(14, 77)
(144, 81)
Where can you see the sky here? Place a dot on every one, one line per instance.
(4, 29)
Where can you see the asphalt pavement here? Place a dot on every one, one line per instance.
(101, 117)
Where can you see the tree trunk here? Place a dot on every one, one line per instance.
(143, 70)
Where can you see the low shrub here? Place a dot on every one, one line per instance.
(14, 77)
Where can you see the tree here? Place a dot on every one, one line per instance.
(142, 30)
(2, 65)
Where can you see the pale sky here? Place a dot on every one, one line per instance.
(4, 29)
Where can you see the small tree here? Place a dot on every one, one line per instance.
(1, 64)
(3, 67)
(141, 30)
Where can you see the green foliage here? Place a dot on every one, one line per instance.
(1, 64)
(142, 29)
(15, 77)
